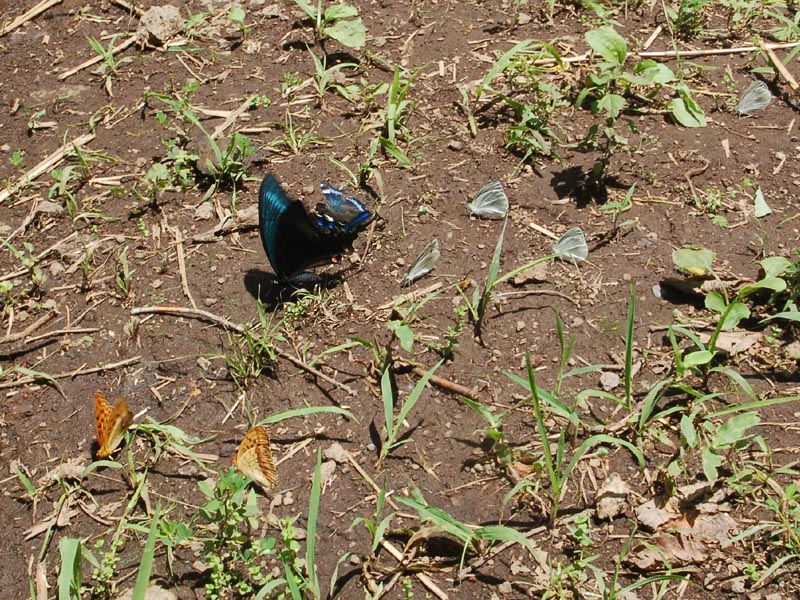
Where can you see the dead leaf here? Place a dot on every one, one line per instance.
(733, 342)
(656, 512)
(665, 548)
(535, 274)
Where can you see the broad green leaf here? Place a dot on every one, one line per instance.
(612, 104)
(687, 112)
(734, 429)
(736, 312)
(715, 301)
(695, 260)
(711, 462)
(698, 358)
(775, 284)
(688, 431)
(237, 14)
(403, 333)
(69, 575)
(307, 8)
(146, 564)
(340, 11)
(654, 72)
(609, 44)
(351, 33)
(775, 265)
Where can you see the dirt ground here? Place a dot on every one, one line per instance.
(90, 259)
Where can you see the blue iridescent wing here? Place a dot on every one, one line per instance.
(340, 213)
(272, 204)
(292, 240)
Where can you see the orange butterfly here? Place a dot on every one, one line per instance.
(111, 423)
(254, 458)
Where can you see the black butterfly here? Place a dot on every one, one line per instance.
(293, 239)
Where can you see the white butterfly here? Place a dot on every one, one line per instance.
(572, 245)
(491, 202)
(755, 97)
(425, 263)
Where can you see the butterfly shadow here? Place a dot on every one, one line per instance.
(272, 290)
(581, 184)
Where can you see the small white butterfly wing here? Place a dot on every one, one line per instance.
(424, 264)
(490, 202)
(755, 97)
(572, 245)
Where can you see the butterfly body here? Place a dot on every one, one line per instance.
(340, 213)
(292, 240)
(254, 458)
(111, 423)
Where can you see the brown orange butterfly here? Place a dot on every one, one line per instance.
(111, 423)
(254, 458)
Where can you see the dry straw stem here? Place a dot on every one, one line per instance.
(424, 579)
(781, 68)
(231, 118)
(441, 382)
(70, 374)
(675, 53)
(46, 164)
(196, 313)
(31, 14)
(13, 337)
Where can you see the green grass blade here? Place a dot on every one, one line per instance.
(387, 395)
(305, 412)
(311, 529)
(146, 565)
(69, 576)
(415, 394)
(629, 348)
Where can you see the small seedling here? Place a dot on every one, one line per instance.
(393, 423)
(339, 22)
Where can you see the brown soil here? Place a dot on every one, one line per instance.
(174, 367)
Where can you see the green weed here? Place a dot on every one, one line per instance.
(339, 22)
(393, 423)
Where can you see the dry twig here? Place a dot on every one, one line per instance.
(197, 313)
(70, 374)
(45, 165)
(27, 16)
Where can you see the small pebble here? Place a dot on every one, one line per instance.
(455, 145)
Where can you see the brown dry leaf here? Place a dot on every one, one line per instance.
(656, 512)
(62, 519)
(695, 527)
(719, 528)
(41, 581)
(536, 274)
(612, 497)
(72, 469)
(733, 342)
(666, 548)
